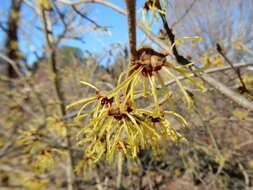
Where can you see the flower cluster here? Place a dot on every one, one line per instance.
(116, 125)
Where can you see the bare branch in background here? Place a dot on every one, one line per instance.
(241, 100)
(87, 18)
(213, 82)
(2, 27)
(60, 95)
(107, 3)
(14, 169)
(184, 15)
(39, 134)
(243, 88)
(213, 70)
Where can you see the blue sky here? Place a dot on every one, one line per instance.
(94, 41)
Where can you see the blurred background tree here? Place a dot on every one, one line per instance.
(41, 66)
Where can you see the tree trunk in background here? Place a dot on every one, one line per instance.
(11, 43)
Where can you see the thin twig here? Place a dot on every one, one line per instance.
(2, 27)
(24, 76)
(14, 169)
(60, 96)
(237, 71)
(13, 64)
(212, 70)
(180, 59)
(87, 18)
(213, 82)
(169, 82)
(246, 175)
(240, 100)
(104, 2)
(131, 14)
(119, 172)
(184, 15)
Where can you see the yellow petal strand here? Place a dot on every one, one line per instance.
(178, 116)
(81, 101)
(123, 147)
(124, 83)
(128, 134)
(195, 82)
(154, 94)
(144, 111)
(150, 129)
(138, 129)
(124, 73)
(145, 87)
(179, 40)
(106, 125)
(187, 97)
(83, 107)
(90, 85)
